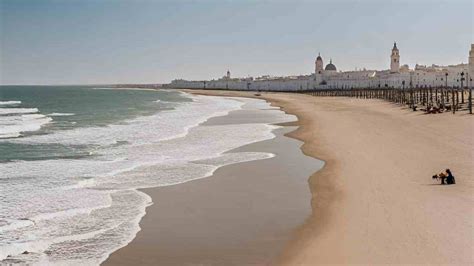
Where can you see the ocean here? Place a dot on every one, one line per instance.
(73, 158)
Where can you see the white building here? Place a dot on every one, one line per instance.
(329, 78)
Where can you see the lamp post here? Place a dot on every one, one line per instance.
(462, 87)
(412, 98)
(469, 80)
(446, 79)
(457, 95)
(452, 94)
(403, 92)
(446, 87)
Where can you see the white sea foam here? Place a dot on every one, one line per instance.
(42, 245)
(161, 126)
(3, 103)
(16, 224)
(90, 207)
(12, 126)
(61, 114)
(135, 89)
(8, 111)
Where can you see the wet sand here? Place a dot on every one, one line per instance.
(243, 214)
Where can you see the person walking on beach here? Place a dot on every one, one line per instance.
(450, 178)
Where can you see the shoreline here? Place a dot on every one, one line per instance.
(248, 203)
(374, 201)
(323, 193)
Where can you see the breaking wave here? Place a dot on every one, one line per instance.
(14, 121)
(3, 103)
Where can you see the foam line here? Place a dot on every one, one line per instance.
(3, 103)
(7, 111)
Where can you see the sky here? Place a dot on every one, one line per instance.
(106, 41)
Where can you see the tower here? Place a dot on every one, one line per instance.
(395, 59)
(228, 74)
(318, 65)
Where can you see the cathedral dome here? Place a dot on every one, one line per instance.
(330, 66)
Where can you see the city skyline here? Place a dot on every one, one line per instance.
(92, 42)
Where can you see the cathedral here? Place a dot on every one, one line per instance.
(395, 77)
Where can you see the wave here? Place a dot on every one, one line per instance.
(61, 114)
(164, 125)
(8, 111)
(135, 89)
(3, 103)
(95, 201)
(117, 226)
(16, 224)
(42, 245)
(13, 126)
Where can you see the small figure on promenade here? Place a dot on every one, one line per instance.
(450, 178)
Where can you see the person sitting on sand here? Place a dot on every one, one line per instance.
(441, 176)
(450, 178)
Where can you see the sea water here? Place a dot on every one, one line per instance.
(72, 159)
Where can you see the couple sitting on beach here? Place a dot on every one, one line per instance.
(448, 176)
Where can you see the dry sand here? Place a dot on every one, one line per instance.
(374, 202)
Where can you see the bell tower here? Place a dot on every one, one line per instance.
(395, 59)
(318, 65)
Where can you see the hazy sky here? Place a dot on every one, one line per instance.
(92, 41)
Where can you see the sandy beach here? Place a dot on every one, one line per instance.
(374, 202)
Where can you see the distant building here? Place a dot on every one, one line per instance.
(329, 78)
